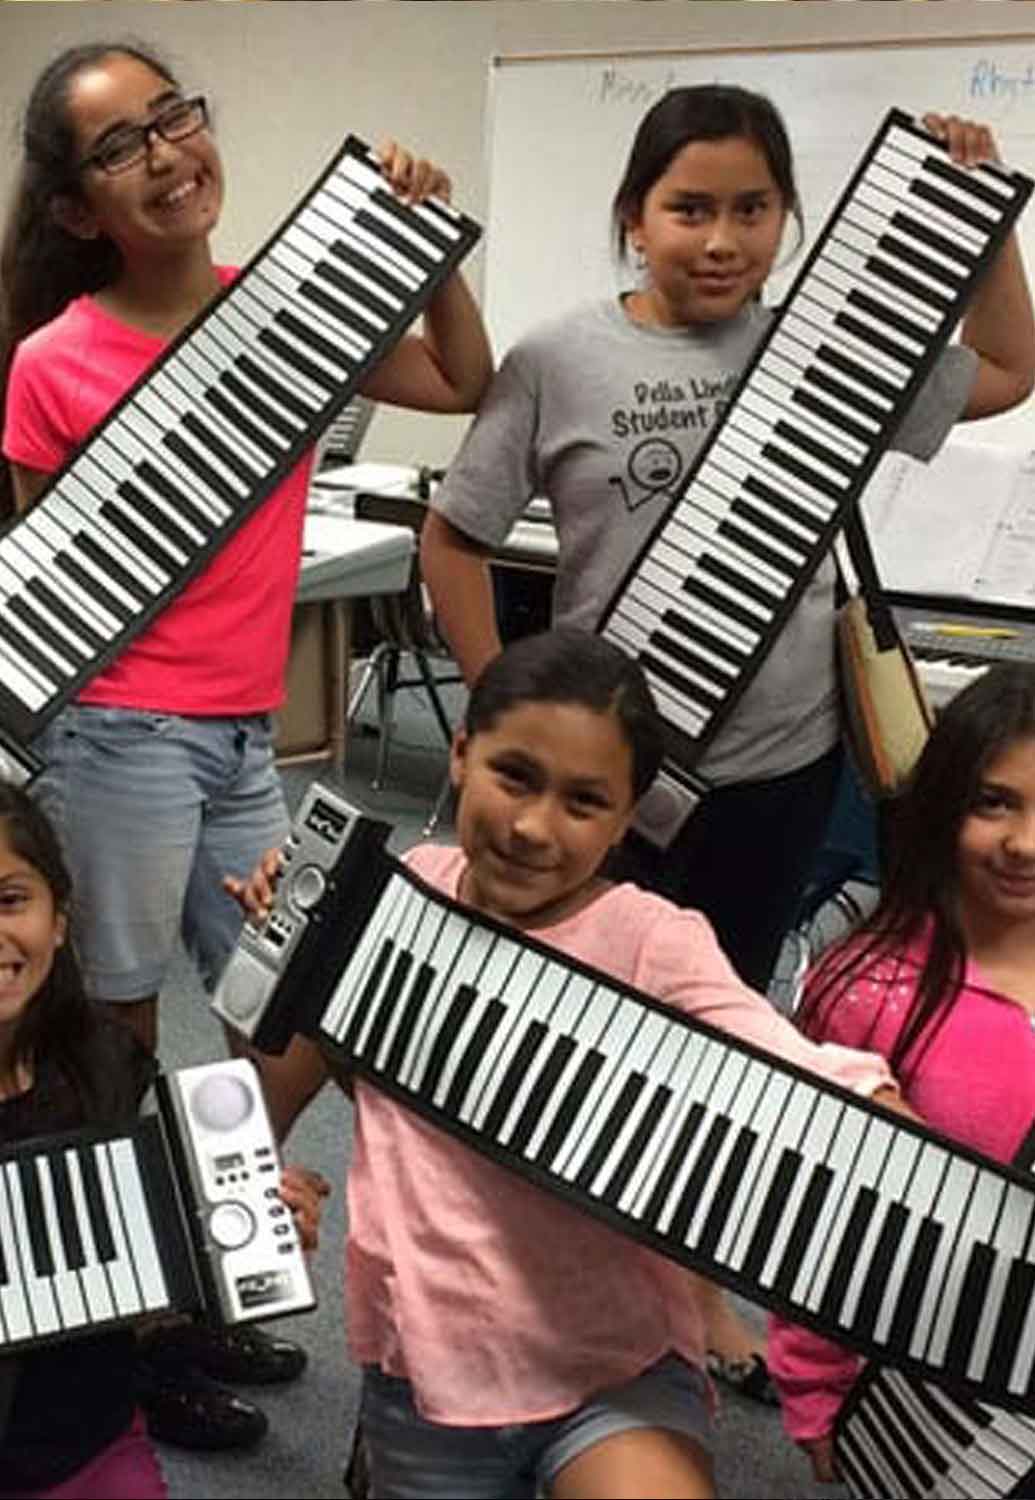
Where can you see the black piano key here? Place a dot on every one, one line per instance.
(756, 548)
(398, 242)
(281, 397)
(96, 1208)
(639, 1143)
(117, 517)
(29, 652)
(771, 1211)
(5, 1275)
(519, 1065)
(327, 271)
(747, 586)
(813, 375)
(970, 1307)
(862, 373)
(564, 1118)
(851, 1233)
(905, 1480)
(772, 527)
(71, 1239)
(725, 1189)
(951, 206)
(699, 589)
(918, 230)
(293, 357)
(256, 434)
(674, 1160)
(803, 1228)
(690, 1197)
(967, 182)
(362, 263)
(878, 266)
(792, 465)
(474, 1052)
(914, 1281)
(834, 415)
(676, 651)
(64, 612)
(91, 586)
(371, 985)
(874, 1288)
(221, 450)
(125, 579)
(34, 622)
(889, 346)
(408, 1021)
(696, 691)
(137, 503)
(673, 620)
(541, 1092)
(333, 353)
(1020, 1284)
(211, 478)
(890, 315)
(608, 1133)
(942, 1416)
(334, 308)
(445, 1040)
(930, 1458)
(791, 508)
(430, 232)
(806, 443)
(911, 256)
(386, 1005)
(149, 474)
(42, 1260)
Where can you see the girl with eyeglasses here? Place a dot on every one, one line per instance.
(161, 774)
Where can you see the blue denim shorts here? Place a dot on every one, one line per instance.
(414, 1459)
(153, 809)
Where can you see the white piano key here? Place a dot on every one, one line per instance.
(845, 261)
(360, 201)
(440, 216)
(548, 991)
(373, 994)
(958, 192)
(881, 180)
(731, 462)
(39, 1293)
(770, 1092)
(711, 1077)
(917, 1197)
(645, 603)
(12, 585)
(449, 943)
(41, 522)
(668, 1069)
(702, 534)
(126, 1179)
(883, 1163)
(284, 255)
(178, 383)
(897, 1434)
(637, 1058)
(94, 1278)
(564, 1022)
(354, 346)
(871, 223)
(416, 936)
(956, 1187)
(126, 1290)
(525, 1000)
(74, 505)
(1011, 1231)
(740, 1093)
(799, 344)
(899, 358)
(501, 980)
(339, 1009)
(773, 393)
(976, 1225)
(65, 1281)
(818, 1258)
(665, 560)
(138, 428)
(14, 1305)
(247, 330)
(811, 324)
(349, 232)
(316, 227)
(120, 465)
(805, 536)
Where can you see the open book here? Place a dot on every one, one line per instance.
(962, 525)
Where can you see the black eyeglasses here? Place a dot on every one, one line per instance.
(128, 147)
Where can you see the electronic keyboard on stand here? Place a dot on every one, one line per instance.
(868, 314)
(208, 432)
(790, 1190)
(179, 1212)
(953, 641)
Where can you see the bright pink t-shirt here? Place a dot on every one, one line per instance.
(499, 1302)
(974, 1082)
(221, 646)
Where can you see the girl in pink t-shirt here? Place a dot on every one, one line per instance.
(509, 1341)
(161, 774)
(940, 979)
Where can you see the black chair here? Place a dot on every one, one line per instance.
(404, 627)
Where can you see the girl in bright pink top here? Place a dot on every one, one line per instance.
(509, 1341)
(940, 979)
(161, 775)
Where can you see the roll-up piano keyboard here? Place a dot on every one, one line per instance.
(178, 1212)
(791, 1190)
(208, 432)
(869, 312)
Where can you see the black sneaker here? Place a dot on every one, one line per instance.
(185, 1408)
(241, 1355)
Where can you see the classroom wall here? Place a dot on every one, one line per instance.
(289, 78)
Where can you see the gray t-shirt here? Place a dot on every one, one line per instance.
(605, 417)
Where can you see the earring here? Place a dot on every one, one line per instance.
(639, 257)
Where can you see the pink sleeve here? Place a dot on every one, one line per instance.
(812, 1375)
(32, 434)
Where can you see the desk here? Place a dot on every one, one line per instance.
(343, 559)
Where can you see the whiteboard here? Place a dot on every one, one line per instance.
(560, 129)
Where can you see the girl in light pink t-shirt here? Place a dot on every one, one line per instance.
(940, 979)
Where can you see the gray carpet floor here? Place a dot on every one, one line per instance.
(311, 1420)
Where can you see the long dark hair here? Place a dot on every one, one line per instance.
(702, 112)
(921, 883)
(43, 266)
(60, 1021)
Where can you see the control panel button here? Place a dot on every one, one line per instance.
(231, 1225)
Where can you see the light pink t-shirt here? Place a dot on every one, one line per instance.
(221, 646)
(498, 1301)
(974, 1082)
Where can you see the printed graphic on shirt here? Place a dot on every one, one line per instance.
(663, 423)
